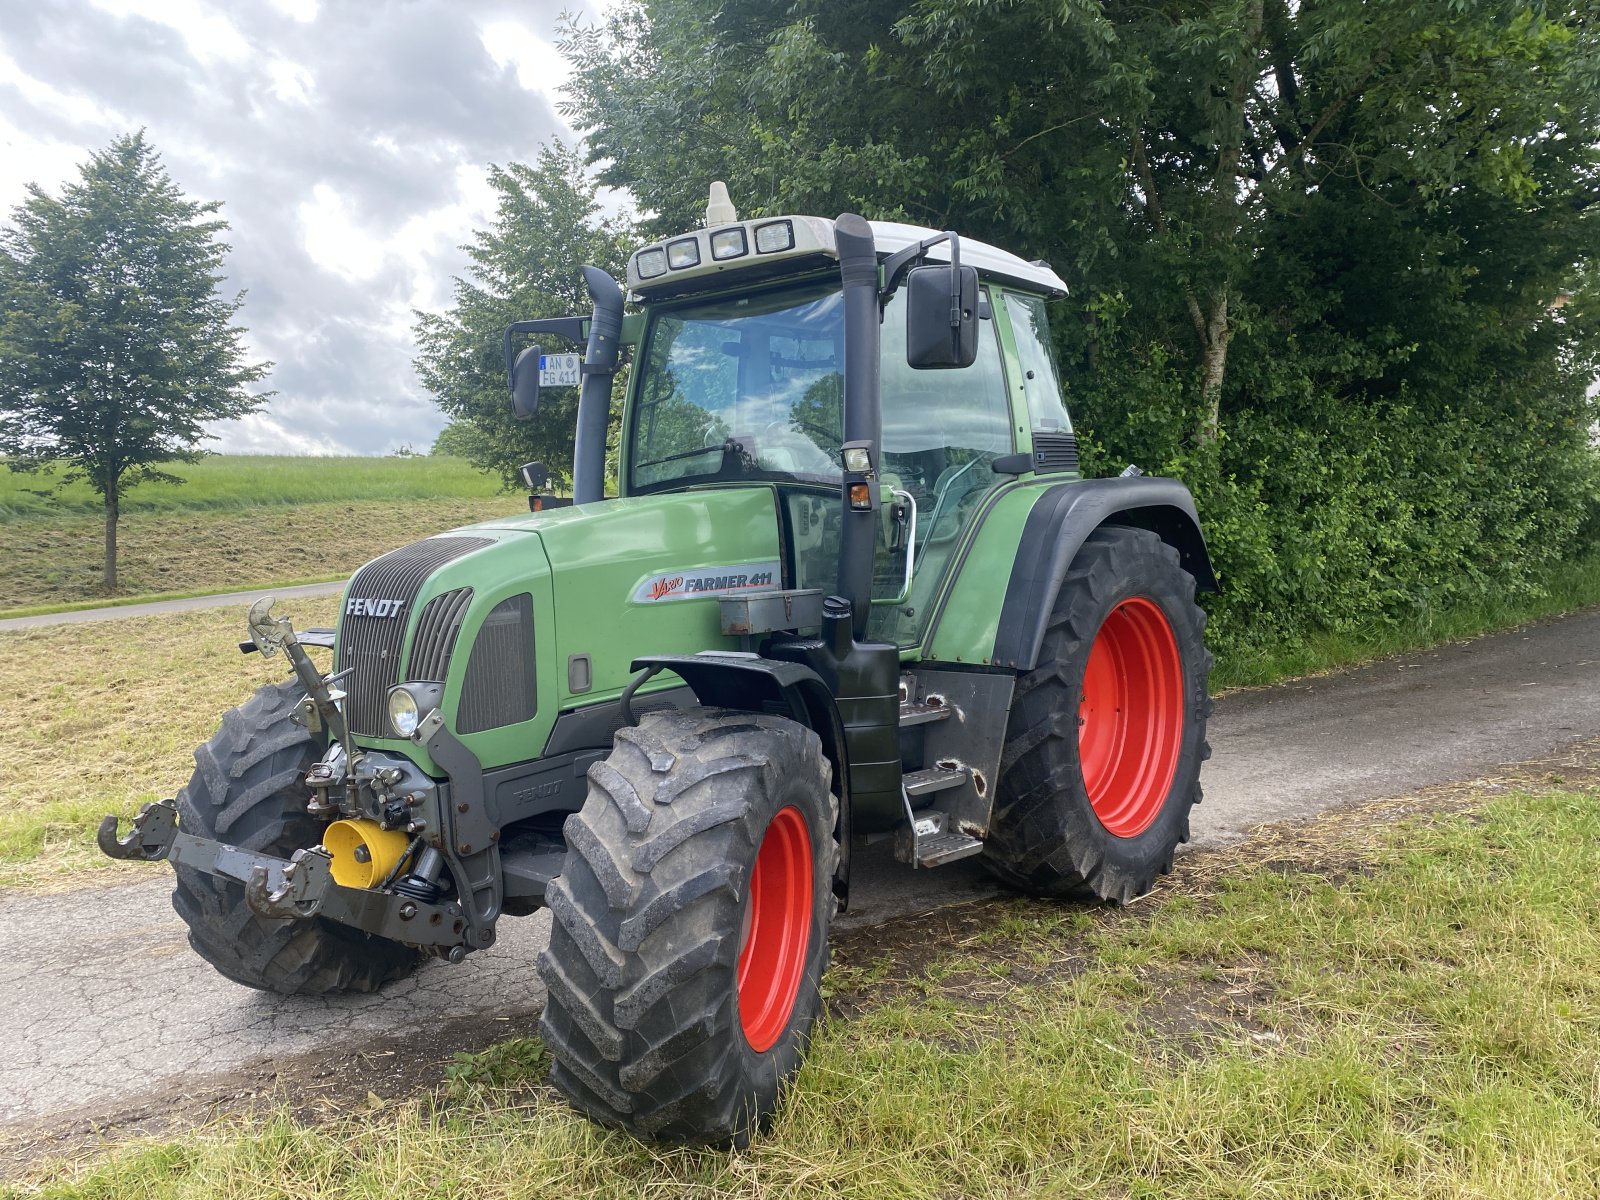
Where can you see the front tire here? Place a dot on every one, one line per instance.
(690, 927)
(248, 790)
(1106, 736)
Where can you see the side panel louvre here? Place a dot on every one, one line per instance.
(501, 687)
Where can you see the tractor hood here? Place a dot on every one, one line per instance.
(522, 617)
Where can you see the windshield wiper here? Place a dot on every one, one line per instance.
(722, 449)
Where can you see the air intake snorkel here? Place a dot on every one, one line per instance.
(594, 396)
(858, 271)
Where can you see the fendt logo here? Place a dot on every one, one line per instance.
(361, 607)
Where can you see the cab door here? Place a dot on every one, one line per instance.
(942, 431)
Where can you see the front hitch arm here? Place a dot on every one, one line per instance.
(150, 839)
(272, 634)
(301, 889)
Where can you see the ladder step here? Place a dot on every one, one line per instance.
(920, 714)
(933, 779)
(946, 847)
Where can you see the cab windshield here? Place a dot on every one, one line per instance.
(746, 387)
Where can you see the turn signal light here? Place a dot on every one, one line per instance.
(860, 495)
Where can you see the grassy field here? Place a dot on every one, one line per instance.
(56, 564)
(239, 522)
(1358, 1008)
(252, 481)
(113, 711)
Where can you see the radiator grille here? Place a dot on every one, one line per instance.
(369, 645)
(435, 639)
(1055, 452)
(501, 687)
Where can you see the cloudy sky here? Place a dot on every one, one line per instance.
(348, 141)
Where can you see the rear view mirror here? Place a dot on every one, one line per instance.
(525, 384)
(941, 317)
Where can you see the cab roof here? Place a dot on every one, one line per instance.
(767, 247)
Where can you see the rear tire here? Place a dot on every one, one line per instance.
(1106, 736)
(690, 927)
(248, 790)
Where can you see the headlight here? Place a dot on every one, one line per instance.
(728, 243)
(684, 254)
(651, 263)
(409, 703)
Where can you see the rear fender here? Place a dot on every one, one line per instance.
(1054, 532)
(769, 686)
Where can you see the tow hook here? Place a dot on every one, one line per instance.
(305, 884)
(150, 838)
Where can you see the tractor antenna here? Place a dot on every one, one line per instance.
(719, 209)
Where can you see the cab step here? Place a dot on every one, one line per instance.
(932, 840)
(934, 779)
(914, 713)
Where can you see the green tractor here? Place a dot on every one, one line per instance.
(853, 587)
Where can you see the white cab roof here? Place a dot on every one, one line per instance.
(890, 236)
(809, 236)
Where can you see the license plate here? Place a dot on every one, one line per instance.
(558, 370)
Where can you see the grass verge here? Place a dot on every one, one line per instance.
(1566, 588)
(1357, 1008)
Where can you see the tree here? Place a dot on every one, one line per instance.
(1311, 246)
(525, 266)
(115, 345)
(1140, 147)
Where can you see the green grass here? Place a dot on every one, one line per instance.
(1362, 1009)
(112, 711)
(251, 480)
(1567, 587)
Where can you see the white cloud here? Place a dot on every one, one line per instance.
(290, 82)
(26, 159)
(539, 65)
(73, 106)
(261, 433)
(304, 11)
(335, 239)
(208, 35)
(348, 144)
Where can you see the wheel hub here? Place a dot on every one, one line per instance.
(1130, 717)
(777, 929)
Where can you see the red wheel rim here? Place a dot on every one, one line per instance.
(1130, 719)
(777, 929)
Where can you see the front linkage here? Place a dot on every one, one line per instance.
(446, 824)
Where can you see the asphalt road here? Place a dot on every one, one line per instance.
(106, 1000)
(157, 607)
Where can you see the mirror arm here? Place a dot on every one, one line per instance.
(955, 280)
(571, 328)
(901, 261)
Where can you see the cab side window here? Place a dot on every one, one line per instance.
(1040, 384)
